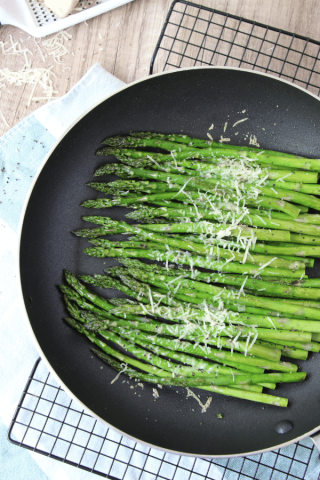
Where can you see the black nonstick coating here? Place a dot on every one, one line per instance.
(282, 117)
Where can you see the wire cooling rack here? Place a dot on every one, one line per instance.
(47, 421)
(195, 36)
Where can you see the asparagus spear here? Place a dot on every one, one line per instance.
(125, 187)
(135, 289)
(191, 365)
(230, 380)
(197, 261)
(111, 227)
(162, 328)
(208, 185)
(274, 289)
(269, 289)
(251, 220)
(200, 143)
(218, 356)
(191, 196)
(305, 239)
(200, 366)
(210, 352)
(228, 331)
(286, 306)
(279, 248)
(254, 217)
(147, 367)
(305, 282)
(169, 366)
(253, 396)
(208, 249)
(214, 167)
(260, 351)
(228, 169)
(289, 352)
(202, 227)
(274, 159)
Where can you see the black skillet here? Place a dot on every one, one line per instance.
(282, 117)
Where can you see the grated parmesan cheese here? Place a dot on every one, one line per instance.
(253, 141)
(204, 407)
(267, 264)
(55, 47)
(240, 121)
(36, 77)
(125, 366)
(268, 318)
(222, 139)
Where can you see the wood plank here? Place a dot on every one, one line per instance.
(123, 41)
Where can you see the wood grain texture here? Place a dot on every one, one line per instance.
(123, 41)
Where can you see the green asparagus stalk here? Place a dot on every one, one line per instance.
(280, 248)
(277, 178)
(305, 282)
(212, 167)
(135, 290)
(192, 364)
(125, 187)
(197, 261)
(305, 239)
(251, 220)
(286, 306)
(209, 185)
(193, 197)
(200, 143)
(273, 289)
(228, 379)
(260, 351)
(229, 331)
(290, 352)
(209, 250)
(274, 159)
(159, 362)
(170, 367)
(253, 396)
(203, 227)
(210, 352)
(111, 227)
(73, 296)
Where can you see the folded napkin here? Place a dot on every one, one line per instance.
(22, 151)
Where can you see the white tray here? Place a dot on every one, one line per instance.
(34, 18)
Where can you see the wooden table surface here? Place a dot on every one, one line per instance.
(123, 40)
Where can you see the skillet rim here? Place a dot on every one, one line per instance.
(18, 275)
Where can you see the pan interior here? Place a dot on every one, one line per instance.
(279, 117)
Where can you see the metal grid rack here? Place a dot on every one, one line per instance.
(47, 421)
(195, 36)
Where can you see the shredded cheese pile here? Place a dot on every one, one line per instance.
(55, 46)
(28, 74)
(42, 77)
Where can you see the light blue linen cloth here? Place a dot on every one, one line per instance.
(22, 151)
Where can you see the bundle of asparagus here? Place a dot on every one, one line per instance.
(230, 235)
